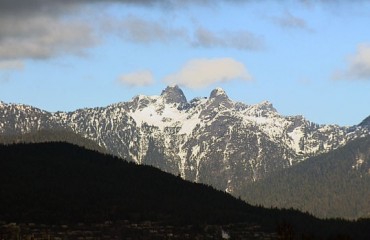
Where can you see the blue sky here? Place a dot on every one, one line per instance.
(309, 58)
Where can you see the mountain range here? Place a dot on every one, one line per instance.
(211, 140)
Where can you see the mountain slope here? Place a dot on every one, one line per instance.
(62, 183)
(210, 140)
(18, 119)
(335, 184)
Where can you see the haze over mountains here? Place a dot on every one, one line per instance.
(211, 140)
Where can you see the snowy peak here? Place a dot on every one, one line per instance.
(219, 98)
(173, 94)
(218, 93)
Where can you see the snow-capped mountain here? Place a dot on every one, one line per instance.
(211, 140)
(18, 119)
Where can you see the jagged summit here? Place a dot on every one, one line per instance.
(365, 122)
(266, 105)
(173, 94)
(218, 93)
(263, 109)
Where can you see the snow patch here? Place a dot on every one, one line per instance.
(163, 115)
(296, 135)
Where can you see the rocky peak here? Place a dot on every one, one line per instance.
(218, 93)
(140, 102)
(173, 94)
(267, 106)
(365, 123)
(263, 109)
(218, 97)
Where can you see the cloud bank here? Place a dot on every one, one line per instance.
(137, 79)
(144, 31)
(39, 29)
(358, 65)
(199, 73)
(42, 37)
(42, 29)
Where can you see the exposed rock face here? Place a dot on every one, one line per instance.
(20, 119)
(365, 123)
(211, 140)
(173, 94)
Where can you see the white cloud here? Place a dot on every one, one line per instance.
(358, 65)
(140, 78)
(200, 73)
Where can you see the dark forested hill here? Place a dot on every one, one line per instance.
(60, 182)
(336, 184)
